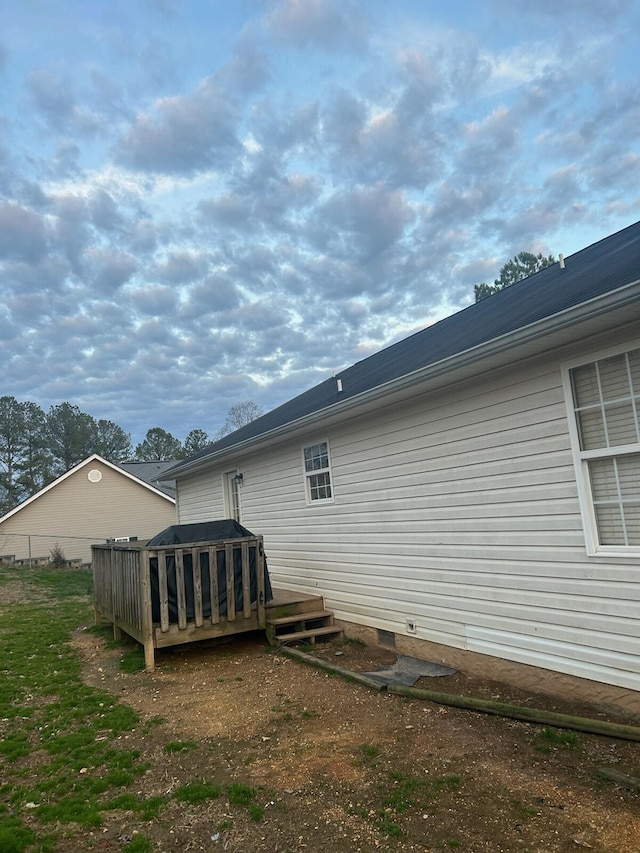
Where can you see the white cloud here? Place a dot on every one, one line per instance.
(317, 180)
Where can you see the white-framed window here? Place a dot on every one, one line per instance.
(231, 491)
(605, 433)
(317, 472)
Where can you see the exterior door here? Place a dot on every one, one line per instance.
(232, 497)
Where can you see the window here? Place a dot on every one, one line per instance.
(232, 496)
(606, 406)
(317, 472)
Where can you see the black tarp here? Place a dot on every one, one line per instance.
(207, 531)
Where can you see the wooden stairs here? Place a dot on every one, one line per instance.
(302, 621)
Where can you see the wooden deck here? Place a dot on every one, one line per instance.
(288, 601)
(155, 596)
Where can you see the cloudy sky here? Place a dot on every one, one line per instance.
(204, 201)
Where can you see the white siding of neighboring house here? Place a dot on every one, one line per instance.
(458, 510)
(77, 512)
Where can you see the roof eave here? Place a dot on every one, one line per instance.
(572, 316)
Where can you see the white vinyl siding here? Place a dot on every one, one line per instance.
(471, 526)
(605, 396)
(201, 498)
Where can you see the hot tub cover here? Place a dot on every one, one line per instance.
(206, 531)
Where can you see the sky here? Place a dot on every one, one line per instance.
(208, 201)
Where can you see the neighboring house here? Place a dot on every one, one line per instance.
(476, 485)
(152, 472)
(93, 502)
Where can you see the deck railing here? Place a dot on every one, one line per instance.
(169, 594)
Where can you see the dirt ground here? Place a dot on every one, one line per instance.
(340, 767)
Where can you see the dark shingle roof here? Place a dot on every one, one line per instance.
(601, 268)
(152, 473)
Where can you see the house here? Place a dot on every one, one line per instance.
(471, 490)
(93, 502)
(153, 473)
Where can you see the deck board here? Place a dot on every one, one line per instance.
(289, 596)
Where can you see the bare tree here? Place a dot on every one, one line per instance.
(239, 415)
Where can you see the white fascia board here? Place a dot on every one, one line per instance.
(596, 307)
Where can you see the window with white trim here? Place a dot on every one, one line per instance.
(606, 404)
(317, 472)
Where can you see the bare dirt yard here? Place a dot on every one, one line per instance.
(335, 766)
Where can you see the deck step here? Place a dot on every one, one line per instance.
(300, 617)
(311, 634)
(302, 626)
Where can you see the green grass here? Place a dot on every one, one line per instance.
(255, 811)
(132, 660)
(149, 807)
(14, 836)
(401, 793)
(74, 808)
(180, 746)
(138, 844)
(14, 746)
(197, 792)
(241, 794)
(60, 747)
(370, 750)
(64, 761)
(64, 583)
(548, 740)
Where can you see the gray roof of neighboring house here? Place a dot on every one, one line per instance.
(599, 269)
(151, 472)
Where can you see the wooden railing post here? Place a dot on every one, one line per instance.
(261, 603)
(180, 590)
(231, 583)
(163, 591)
(214, 593)
(147, 619)
(246, 580)
(197, 586)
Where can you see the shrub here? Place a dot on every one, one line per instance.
(57, 558)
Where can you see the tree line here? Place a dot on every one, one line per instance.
(36, 447)
(520, 266)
